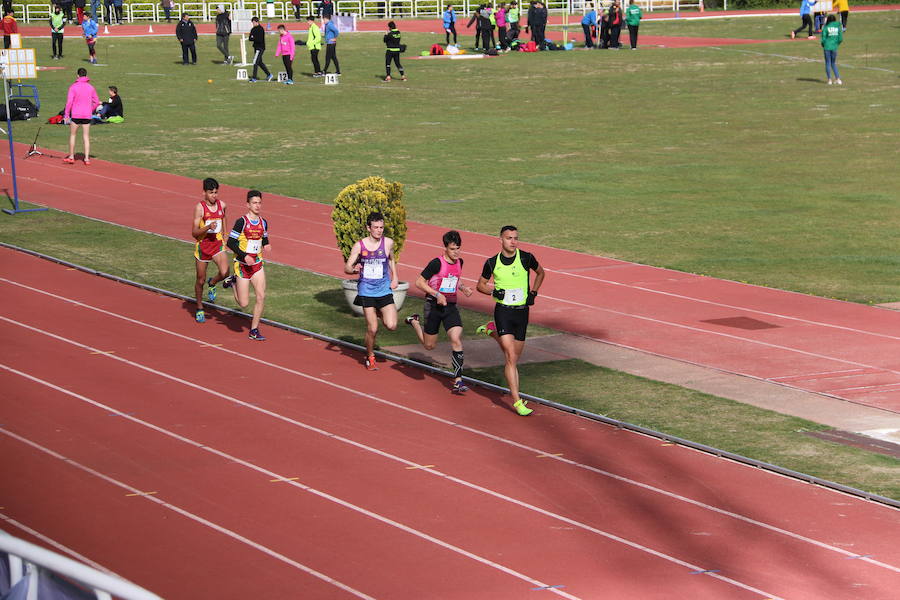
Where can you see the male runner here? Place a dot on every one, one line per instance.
(513, 294)
(247, 238)
(208, 225)
(373, 259)
(440, 280)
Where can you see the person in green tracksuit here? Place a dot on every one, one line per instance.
(394, 48)
(314, 43)
(832, 36)
(57, 24)
(512, 19)
(633, 16)
(513, 293)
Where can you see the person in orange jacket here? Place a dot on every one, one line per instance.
(9, 26)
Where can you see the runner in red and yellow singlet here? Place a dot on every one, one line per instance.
(207, 229)
(247, 239)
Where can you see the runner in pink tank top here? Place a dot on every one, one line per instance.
(441, 280)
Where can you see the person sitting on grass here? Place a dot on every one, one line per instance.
(112, 108)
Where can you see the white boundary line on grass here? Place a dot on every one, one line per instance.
(799, 58)
(472, 430)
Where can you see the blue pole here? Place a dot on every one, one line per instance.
(12, 159)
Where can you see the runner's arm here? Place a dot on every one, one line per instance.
(234, 243)
(197, 231)
(351, 266)
(392, 264)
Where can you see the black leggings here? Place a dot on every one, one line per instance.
(288, 66)
(633, 35)
(451, 29)
(392, 55)
(807, 22)
(259, 64)
(331, 56)
(501, 36)
(314, 58)
(487, 38)
(57, 43)
(588, 37)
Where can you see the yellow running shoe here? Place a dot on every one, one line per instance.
(521, 408)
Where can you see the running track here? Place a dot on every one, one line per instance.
(840, 349)
(200, 464)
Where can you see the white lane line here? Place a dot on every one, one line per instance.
(287, 480)
(59, 546)
(822, 375)
(172, 507)
(472, 430)
(361, 446)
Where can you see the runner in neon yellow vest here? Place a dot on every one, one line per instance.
(506, 278)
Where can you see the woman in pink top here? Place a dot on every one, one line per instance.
(285, 50)
(500, 18)
(81, 103)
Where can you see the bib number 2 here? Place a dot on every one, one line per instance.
(514, 297)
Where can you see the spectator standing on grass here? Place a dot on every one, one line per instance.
(806, 15)
(95, 8)
(537, 21)
(512, 19)
(89, 29)
(477, 21)
(167, 6)
(57, 25)
(223, 33)
(394, 48)
(449, 22)
(79, 11)
(500, 19)
(117, 8)
(331, 35)
(187, 35)
(10, 26)
(843, 7)
(285, 50)
(832, 36)
(81, 102)
(633, 16)
(588, 25)
(296, 5)
(487, 30)
(615, 24)
(314, 43)
(258, 39)
(603, 34)
(110, 11)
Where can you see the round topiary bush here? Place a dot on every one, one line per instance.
(356, 201)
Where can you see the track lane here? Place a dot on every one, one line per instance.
(512, 421)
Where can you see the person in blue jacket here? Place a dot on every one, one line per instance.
(589, 25)
(89, 29)
(806, 15)
(331, 34)
(450, 23)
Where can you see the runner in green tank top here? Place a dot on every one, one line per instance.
(506, 277)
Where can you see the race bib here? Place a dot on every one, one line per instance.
(514, 296)
(448, 285)
(373, 270)
(253, 246)
(215, 225)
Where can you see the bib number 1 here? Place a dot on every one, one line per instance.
(254, 246)
(373, 270)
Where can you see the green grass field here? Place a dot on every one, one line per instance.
(735, 161)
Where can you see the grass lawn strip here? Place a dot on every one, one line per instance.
(316, 303)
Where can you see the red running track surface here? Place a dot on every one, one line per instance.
(200, 464)
(841, 349)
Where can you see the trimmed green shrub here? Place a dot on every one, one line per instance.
(356, 201)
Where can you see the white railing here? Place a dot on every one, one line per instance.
(366, 9)
(26, 561)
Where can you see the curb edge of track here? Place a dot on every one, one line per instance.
(432, 369)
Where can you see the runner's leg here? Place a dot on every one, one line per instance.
(371, 315)
(259, 289)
